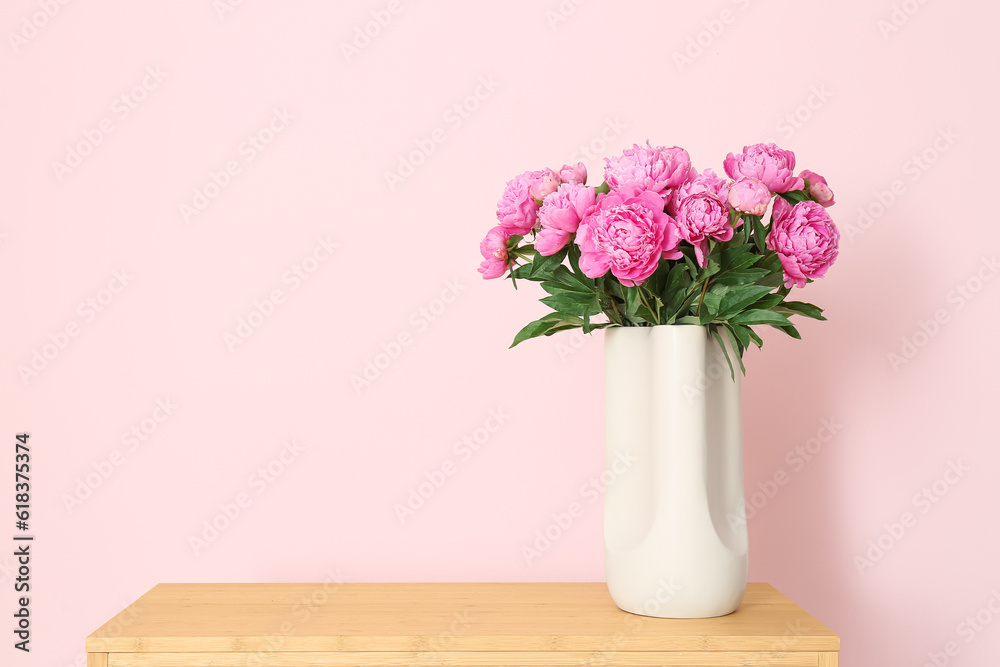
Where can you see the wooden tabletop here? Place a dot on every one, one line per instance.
(439, 619)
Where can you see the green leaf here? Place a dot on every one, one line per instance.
(768, 302)
(688, 319)
(688, 303)
(633, 300)
(801, 308)
(760, 235)
(574, 281)
(678, 285)
(574, 257)
(521, 272)
(657, 282)
(739, 257)
(709, 307)
(602, 188)
(528, 249)
(573, 303)
(740, 276)
(546, 326)
(708, 272)
(556, 289)
(741, 297)
(754, 337)
(760, 317)
(738, 347)
(715, 333)
(741, 334)
(613, 287)
(544, 266)
(793, 197)
(771, 262)
(772, 280)
(721, 290)
(646, 314)
(791, 331)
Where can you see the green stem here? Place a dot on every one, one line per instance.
(702, 299)
(614, 306)
(642, 295)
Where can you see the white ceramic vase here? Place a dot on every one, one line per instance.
(675, 538)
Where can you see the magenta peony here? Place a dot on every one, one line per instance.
(655, 169)
(748, 195)
(701, 217)
(517, 211)
(773, 166)
(818, 188)
(576, 174)
(629, 236)
(560, 216)
(494, 251)
(805, 239)
(706, 181)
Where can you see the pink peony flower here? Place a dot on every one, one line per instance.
(517, 211)
(706, 181)
(773, 166)
(543, 183)
(805, 239)
(494, 250)
(818, 188)
(576, 174)
(560, 216)
(748, 195)
(629, 236)
(703, 216)
(656, 169)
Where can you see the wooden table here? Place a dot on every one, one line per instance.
(448, 624)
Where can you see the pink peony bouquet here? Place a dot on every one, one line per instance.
(659, 242)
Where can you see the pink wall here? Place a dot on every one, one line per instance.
(492, 89)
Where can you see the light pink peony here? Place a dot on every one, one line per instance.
(701, 217)
(517, 211)
(560, 216)
(805, 239)
(773, 166)
(543, 183)
(574, 174)
(818, 188)
(748, 195)
(629, 236)
(494, 250)
(656, 169)
(706, 181)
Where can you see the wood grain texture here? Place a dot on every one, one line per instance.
(439, 618)
(829, 660)
(97, 660)
(479, 659)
